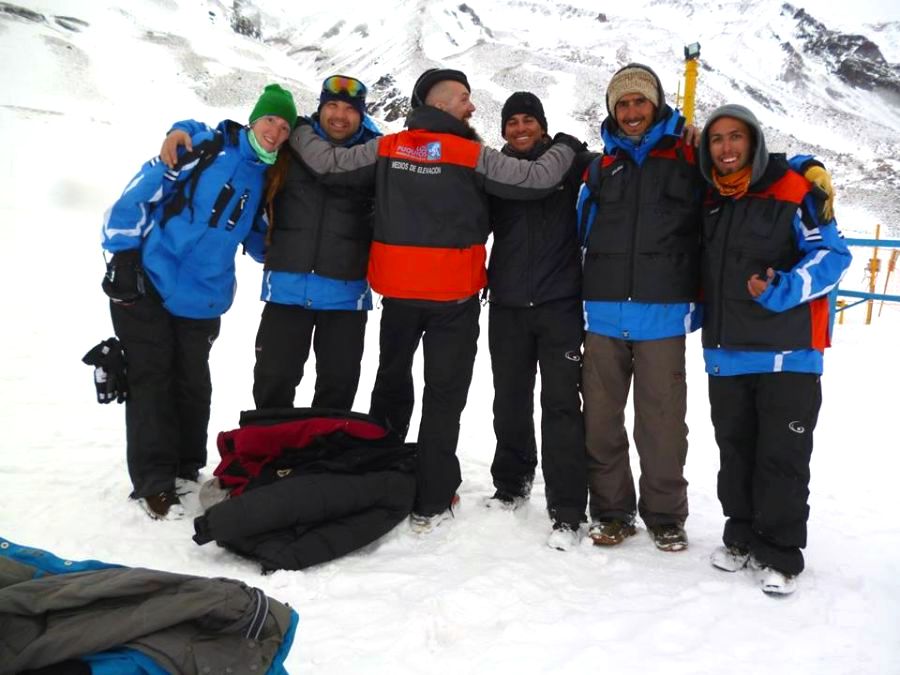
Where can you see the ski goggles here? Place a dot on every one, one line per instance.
(341, 85)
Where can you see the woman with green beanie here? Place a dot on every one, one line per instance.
(173, 234)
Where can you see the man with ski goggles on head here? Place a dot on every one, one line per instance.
(314, 284)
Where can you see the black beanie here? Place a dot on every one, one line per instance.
(522, 102)
(338, 88)
(430, 78)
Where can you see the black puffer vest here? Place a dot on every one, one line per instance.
(644, 241)
(321, 229)
(745, 237)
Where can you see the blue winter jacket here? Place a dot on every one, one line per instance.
(190, 258)
(308, 289)
(630, 320)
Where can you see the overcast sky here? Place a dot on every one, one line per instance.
(857, 11)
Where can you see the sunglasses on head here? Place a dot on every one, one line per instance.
(340, 84)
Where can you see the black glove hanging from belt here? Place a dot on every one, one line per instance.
(124, 278)
(110, 373)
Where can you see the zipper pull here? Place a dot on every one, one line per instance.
(238, 210)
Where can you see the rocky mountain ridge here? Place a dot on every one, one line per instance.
(816, 88)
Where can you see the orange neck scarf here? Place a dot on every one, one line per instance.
(734, 184)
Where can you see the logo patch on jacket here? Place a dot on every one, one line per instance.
(429, 151)
(433, 151)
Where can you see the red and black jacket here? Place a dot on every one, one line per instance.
(744, 237)
(431, 218)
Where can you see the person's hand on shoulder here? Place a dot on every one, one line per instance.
(820, 178)
(176, 138)
(691, 135)
(572, 142)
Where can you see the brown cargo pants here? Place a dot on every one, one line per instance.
(660, 431)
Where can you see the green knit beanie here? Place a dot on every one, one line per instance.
(276, 101)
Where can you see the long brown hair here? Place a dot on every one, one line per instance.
(275, 177)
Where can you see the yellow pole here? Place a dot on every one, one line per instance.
(873, 273)
(690, 89)
(892, 264)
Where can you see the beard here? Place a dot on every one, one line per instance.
(471, 134)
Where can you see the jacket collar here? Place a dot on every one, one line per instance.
(539, 149)
(664, 132)
(234, 133)
(428, 118)
(776, 166)
(366, 132)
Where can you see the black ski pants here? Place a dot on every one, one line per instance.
(282, 348)
(449, 336)
(521, 338)
(169, 392)
(764, 428)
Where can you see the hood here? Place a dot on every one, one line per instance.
(760, 154)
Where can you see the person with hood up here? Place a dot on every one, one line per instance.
(769, 260)
(173, 234)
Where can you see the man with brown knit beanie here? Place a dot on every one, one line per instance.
(639, 220)
(639, 216)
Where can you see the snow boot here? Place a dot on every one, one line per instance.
(563, 537)
(163, 506)
(668, 537)
(771, 581)
(610, 532)
(729, 558)
(504, 501)
(423, 524)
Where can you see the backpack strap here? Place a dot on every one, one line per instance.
(587, 202)
(195, 161)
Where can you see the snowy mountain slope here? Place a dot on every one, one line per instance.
(816, 88)
(81, 108)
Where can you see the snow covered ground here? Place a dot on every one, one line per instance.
(482, 593)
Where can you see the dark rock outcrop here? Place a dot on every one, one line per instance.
(855, 59)
(386, 99)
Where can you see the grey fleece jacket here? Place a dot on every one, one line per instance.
(186, 624)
